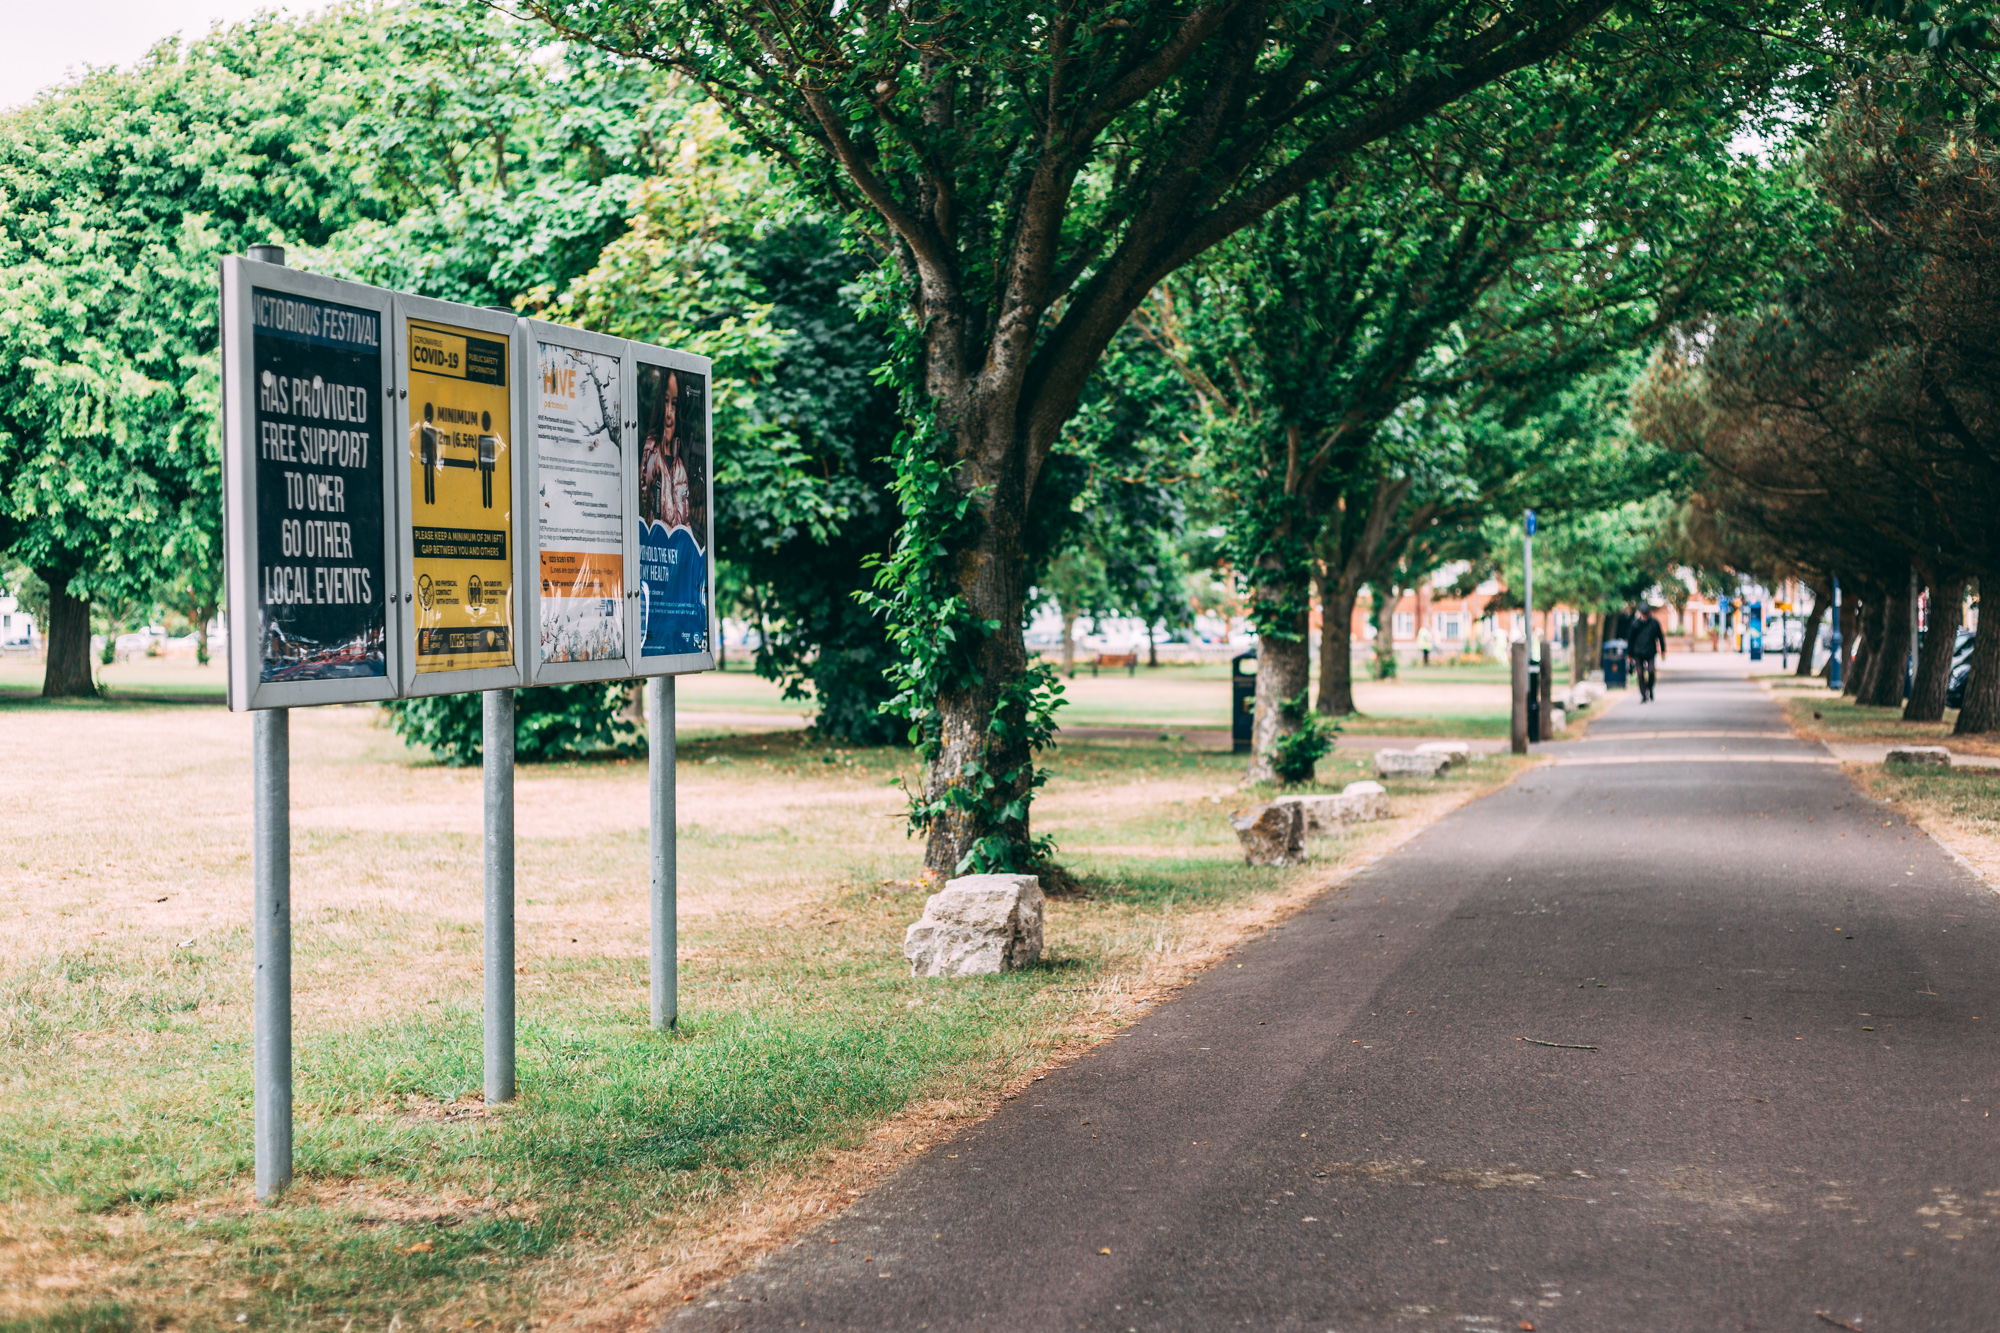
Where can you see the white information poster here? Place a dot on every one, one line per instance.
(579, 510)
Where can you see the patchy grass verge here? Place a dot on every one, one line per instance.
(634, 1168)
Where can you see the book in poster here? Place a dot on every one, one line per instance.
(673, 511)
(461, 510)
(579, 507)
(322, 585)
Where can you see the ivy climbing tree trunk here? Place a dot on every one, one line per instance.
(68, 672)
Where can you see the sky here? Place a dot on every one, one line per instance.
(46, 40)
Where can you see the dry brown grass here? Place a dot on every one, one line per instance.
(124, 872)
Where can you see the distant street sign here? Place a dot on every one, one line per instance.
(308, 488)
(1530, 519)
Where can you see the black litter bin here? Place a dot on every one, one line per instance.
(1242, 699)
(1613, 662)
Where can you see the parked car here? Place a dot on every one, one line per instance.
(1961, 670)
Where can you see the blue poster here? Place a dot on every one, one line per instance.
(673, 511)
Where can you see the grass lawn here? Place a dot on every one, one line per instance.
(1960, 807)
(1822, 715)
(634, 1167)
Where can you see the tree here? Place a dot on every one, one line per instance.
(1387, 360)
(1032, 174)
(1851, 419)
(116, 195)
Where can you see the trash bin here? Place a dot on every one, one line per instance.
(1242, 699)
(1613, 662)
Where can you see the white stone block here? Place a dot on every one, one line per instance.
(980, 924)
(1458, 752)
(1362, 802)
(1410, 764)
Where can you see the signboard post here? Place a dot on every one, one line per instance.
(675, 528)
(308, 501)
(386, 538)
(457, 393)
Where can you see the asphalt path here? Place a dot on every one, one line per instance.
(1790, 993)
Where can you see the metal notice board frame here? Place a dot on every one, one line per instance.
(242, 279)
(682, 664)
(506, 328)
(535, 334)
(389, 413)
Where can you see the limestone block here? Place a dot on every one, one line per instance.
(1272, 835)
(1458, 752)
(1919, 754)
(1323, 813)
(1364, 801)
(1410, 764)
(979, 925)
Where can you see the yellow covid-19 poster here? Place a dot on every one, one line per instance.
(461, 512)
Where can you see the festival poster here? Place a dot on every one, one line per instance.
(673, 511)
(461, 518)
(579, 505)
(323, 577)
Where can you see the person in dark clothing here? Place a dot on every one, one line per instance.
(1648, 641)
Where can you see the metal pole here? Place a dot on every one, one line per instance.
(1910, 670)
(665, 887)
(271, 924)
(1517, 655)
(271, 943)
(1833, 641)
(498, 766)
(1528, 576)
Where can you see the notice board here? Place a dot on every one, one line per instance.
(308, 488)
(456, 401)
(580, 477)
(675, 521)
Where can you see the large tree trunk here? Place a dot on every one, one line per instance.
(1579, 648)
(1979, 709)
(1934, 660)
(67, 675)
(1891, 665)
(1336, 654)
(1861, 642)
(1283, 674)
(980, 781)
(1810, 636)
(1068, 642)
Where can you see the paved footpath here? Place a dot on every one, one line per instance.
(1793, 996)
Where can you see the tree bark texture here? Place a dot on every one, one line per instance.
(989, 573)
(1283, 672)
(68, 672)
(1810, 637)
(1979, 709)
(1069, 644)
(1579, 648)
(1934, 659)
(1891, 666)
(1861, 643)
(1336, 656)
